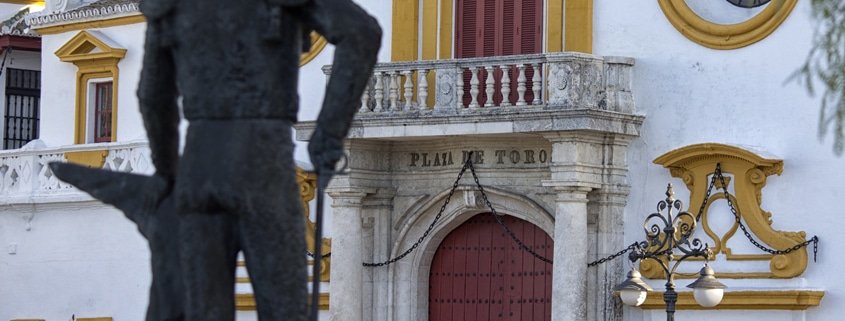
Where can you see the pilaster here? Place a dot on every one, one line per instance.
(569, 272)
(347, 272)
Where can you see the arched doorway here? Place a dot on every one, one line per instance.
(479, 273)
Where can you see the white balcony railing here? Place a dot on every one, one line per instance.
(554, 80)
(25, 176)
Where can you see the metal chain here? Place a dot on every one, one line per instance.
(814, 239)
(502, 223)
(613, 256)
(311, 255)
(467, 164)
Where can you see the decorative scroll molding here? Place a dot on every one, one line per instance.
(695, 164)
(307, 190)
(39, 21)
(744, 300)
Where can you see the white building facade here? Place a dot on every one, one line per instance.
(575, 114)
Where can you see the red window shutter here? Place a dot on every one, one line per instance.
(531, 26)
(509, 32)
(465, 38)
(487, 28)
(102, 112)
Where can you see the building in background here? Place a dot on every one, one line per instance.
(575, 113)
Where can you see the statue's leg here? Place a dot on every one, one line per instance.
(209, 255)
(271, 223)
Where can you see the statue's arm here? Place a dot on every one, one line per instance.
(157, 95)
(357, 38)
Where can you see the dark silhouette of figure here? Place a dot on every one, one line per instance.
(145, 201)
(235, 65)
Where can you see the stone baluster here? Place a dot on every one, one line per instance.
(520, 85)
(422, 94)
(506, 85)
(536, 84)
(378, 94)
(473, 85)
(394, 91)
(488, 86)
(409, 89)
(365, 100)
(459, 89)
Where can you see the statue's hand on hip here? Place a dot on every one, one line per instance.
(325, 152)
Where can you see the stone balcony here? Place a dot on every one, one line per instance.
(26, 178)
(530, 93)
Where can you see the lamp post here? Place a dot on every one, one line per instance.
(666, 237)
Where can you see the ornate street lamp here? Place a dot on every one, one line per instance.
(666, 236)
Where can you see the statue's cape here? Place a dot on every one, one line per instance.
(136, 195)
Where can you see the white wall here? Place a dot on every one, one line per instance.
(692, 94)
(61, 259)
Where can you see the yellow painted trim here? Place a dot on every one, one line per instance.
(554, 26)
(83, 25)
(744, 300)
(90, 158)
(246, 302)
(38, 2)
(578, 26)
(429, 30)
(307, 191)
(693, 164)
(95, 319)
(447, 20)
(719, 36)
(318, 43)
(91, 65)
(405, 35)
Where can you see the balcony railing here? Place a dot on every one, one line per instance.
(25, 176)
(523, 82)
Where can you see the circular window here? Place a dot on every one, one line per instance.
(318, 42)
(726, 36)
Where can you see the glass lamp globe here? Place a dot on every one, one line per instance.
(707, 291)
(633, 290)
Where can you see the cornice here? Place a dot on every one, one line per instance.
(49, 23)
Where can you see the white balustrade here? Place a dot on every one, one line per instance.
(25, 173)
(495, 82)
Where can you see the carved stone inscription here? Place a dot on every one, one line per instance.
(494, 157)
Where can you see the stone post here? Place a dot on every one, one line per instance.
(346, 302)
(569, 273)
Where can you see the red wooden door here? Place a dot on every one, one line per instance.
(479, 273)
(487, 28)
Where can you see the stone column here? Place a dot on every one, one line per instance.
(345, 301)
(569, 273)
